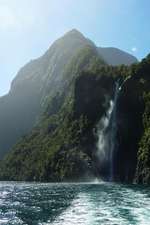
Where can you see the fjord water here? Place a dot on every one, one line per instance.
(66, 204)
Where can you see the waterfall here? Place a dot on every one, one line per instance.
(113, 132)
(106, 132)
(102, 133)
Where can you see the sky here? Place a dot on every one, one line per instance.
(29, 27)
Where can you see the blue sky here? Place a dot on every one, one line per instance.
(28, 28)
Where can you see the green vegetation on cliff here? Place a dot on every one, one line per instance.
(42, 78)
(62, 147)
(73, 98)
(143, 165)
(54, 149)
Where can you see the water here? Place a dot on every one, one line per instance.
(106, 132)
(103, 134)
(113, 131)
(71, 204)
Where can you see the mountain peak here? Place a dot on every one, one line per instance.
(74, 32)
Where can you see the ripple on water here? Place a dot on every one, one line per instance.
(66, 204)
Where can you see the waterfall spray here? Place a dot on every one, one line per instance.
(107, 132)
(113, 132)
(102, 132)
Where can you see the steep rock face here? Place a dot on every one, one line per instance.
(130, 109)
(43, 77)
(18, 113)
(131, 154)
(143, 157)
(92, 95)
(62, 146)
(132, 146)
(70, 86)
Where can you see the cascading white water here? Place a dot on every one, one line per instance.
(113, 132)
(106, 131)
(102, 133)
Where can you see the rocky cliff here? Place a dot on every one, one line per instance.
(40, 79)
(68, 91)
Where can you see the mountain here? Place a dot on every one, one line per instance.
(41, 79)
(20, 109)
(116, 57)
(63, 146)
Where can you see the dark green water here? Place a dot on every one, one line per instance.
(71, 204)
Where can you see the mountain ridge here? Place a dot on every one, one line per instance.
(114, 56)
(64, 96)
(21, 108)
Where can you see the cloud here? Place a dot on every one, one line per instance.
(134, 49)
